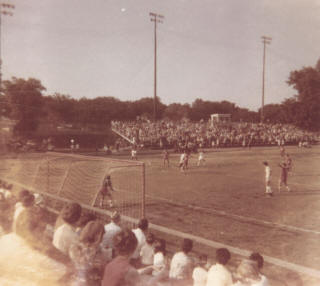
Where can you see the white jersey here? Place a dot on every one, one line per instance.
(201, 156)
(268, 173)
(182, 158)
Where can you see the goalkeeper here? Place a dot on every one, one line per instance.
(105, 193)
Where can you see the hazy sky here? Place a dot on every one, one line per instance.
(209, 49)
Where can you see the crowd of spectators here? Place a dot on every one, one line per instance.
(78, 249)
(204, 134)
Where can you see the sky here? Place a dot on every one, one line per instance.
(208, 49)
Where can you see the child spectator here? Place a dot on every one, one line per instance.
(218, 274)
(200, 272)
(65, 235)
(255, 256)
(181, 264)
(147, 250)
(140, 233)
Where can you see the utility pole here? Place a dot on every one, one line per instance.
(265, 41)
(156, 18)
(5, 9)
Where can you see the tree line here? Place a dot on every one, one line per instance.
(24, 101)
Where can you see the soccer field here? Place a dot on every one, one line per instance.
(224, 201)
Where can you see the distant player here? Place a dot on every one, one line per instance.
(268, 178)
(284, 176)
(282, 151)
(105, 192)
(288, 161)
(134, 154)
(182, 162)
(165, 157)
(201, 159)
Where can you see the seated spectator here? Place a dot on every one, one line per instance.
(200, 272)
(65, 235)
(255, 256)
(119, 271)
(140, 233)
(87, 257)
(83, 220)
(182, 264)
(247, 274)
(218, 274)
(26, 201)
(147, 250)
(160, 263)
(111, 229)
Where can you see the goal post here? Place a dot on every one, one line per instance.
(80, 178)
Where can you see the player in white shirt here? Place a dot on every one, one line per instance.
(268, 178)
(201, 159)
(134, 154)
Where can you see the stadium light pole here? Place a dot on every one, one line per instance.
(5, 9)
(156, 18)
(265, 40)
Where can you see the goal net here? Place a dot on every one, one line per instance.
(80, 178)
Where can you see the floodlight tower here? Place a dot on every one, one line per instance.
(156, 18)
(265, 40)
(5, 9)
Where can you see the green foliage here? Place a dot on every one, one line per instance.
(307, 83)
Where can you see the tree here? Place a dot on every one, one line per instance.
(177, 111)
(25, 101)
(307, 83)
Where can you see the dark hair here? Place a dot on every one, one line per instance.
(160, 246)
(255, 256)
(187, 245)
(23, 193)
(143, 224)
(71, 213)
(265, 163)
(223, 255)
(125, 242)
(27, 200)
(150, 238)
(92, 233)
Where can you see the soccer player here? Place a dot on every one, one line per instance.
(165, 157)
(182, 159)
(284, 176)
(201, 159)
(134, 154)
(268, 178)
(288, 162)
(282, 151)
(106, 192)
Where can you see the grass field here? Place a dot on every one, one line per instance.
(224, 201)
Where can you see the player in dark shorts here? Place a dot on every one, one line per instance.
(165, 157)
(105, 192)
(284, 176)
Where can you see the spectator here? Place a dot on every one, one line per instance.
(65, 235)
(87, 257)
(119, 271)
(218, 274)
(181, 264)
(147, 250)
(200, 273)
(140, 233)
(111, 230)
(83, 220)
(247, 274)
(26, 201)
(160, 264)
(255, 256)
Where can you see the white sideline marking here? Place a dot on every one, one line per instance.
(243, 218)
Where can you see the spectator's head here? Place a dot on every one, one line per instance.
(265, 163)
(27, 200)
(248, 271)
(125, 242)
(223, 255)
(187, 245)
(150, 238)
(23, 193)
(255, 256)
(71, 213)
(160, 246)
(143, 224)
(115, 217)
(92, 233)
(202, 260)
